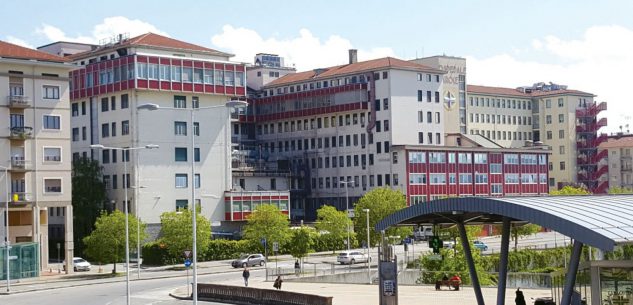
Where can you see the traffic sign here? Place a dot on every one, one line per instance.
(435, 243)
(263, 242)
(186, 253)
(12, 257)
(275, 246)
(407, 240)
(187, 263)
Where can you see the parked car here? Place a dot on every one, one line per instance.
(248, 260)
(480, 245)
(448, 244)
(352, 257)
(79, 264)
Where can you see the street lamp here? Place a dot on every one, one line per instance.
(6, 219)
(127, 226)
(138, 234)
(347, 208)
(368, 253)
(194, 252)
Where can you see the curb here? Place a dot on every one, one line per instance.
(179, 297)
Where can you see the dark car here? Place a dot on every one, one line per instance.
(248, 260)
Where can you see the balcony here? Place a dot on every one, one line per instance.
(20, 198)
(591, 110)
(19, 164)
(21, 133)
(18, 101)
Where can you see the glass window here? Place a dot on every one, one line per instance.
(180, 128)
(176, 73)
(197, 76)
(181, 180)
(181, 154)
(51, 92)
(208, 76)
(51, 122)
(165, 72)
(481, 159)
(417, 157)
(52, 185)
(437, 178)
(464, 158)
(414, 178)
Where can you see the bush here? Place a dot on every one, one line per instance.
(221, 249)
(155, 254)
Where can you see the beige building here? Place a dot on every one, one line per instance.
(620, 160)
(35, 146)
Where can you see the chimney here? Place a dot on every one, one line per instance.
(353, 56)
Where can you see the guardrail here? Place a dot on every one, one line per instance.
(246, 295)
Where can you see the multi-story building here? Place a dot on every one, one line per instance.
(109, 83)
(35, 149)
(552, 115)
(620, 160)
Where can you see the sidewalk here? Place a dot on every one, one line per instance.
(348, 294)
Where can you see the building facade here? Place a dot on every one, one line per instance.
(192, 83)
(35, 149)
(620, 160)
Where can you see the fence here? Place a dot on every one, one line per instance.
(245, 295)
(24, 261)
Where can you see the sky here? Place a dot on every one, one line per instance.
(587, 45)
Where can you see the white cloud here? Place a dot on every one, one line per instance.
(305, 51)
(110, 27)
(599, 63)
(18, 41)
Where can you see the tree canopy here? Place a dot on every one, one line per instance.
(333, 225)
(570, 190)
(381, 202)
(301, 242)
(106, 244)
(88, 197)
(177, 232)
(267, 222)
(620, 190)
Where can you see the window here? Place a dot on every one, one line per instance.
(52, 154)
(52, 185)
(165, 72)
(465, 178)
(181, 204)
(181, 154)
(180, 101)
(561, 149)
(51, 92)
(420, 93)
(180, 128)
(560, 102)
(386, 125)
(51, 122)
(437, 157)
(113, 129)
(528, 178)
(415, 178)
(451, 158)
(181, 180)
(124, 101)
(561, 134)
(196, 128)
(496, 189)
(512, 178)
(196, 154)
(113, 103)
(385, 75)
(385, 104)
(195, 102)
(561, 118)
(495, 168)
(548, 119)
(527, 159)
(417, 157)
(464, 158)
(549, 134)
(562, 165)
(437, 97)
(437, 117)
(104, 104)
(74, 109)
(481, 159)
(421, 137)
(511, 159)
(437, 178)
(481, 178)
(125, 127)
(75, 134)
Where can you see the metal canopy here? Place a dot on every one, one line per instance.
(598, 221)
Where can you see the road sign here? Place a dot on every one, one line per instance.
(13, 257)
(407, 240)
(350, 213)
(263, 242)
(275, 246)
(187, 263)
(435, 243)
(186, 253)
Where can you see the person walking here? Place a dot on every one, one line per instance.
(520, 299)
(297, 268)
(246, 274)
(278, 282)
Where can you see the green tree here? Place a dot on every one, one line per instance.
(570, 190)
(88, 197)
(106, 244)
(267, 222)
(520, 231)
(301, 242)
(177, 236)
(333, 225)
(620, 190)
(381, 202)
(452, 233)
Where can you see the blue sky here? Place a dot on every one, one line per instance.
(585, 44)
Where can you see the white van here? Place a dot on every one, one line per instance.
(423, 233)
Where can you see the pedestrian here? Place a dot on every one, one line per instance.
(297, 268)
(278, 282)
(246, 274)
(520, 299)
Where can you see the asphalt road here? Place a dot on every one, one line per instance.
(143, 292)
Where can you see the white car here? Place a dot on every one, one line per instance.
(79, 264)
(352, 257)
(448, 244)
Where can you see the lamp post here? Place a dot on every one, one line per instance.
(138, 234)
(347, 208)
(6, 219)
(368, 252)
(229, 104)
(127, 226)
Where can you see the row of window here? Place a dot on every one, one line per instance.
(478, 158)
(356, 181)
(109, 130)
(501, 119)
(111, 182)
(106, 105)
(469, 178)
(319, 143)
(429, 137)
(503, 135)
(429, 117)
(561, 118)
(354, 79)
(342, 161)
(500, 103)
(49, 92)
(429, 95)
(315, 123)
(110, 156)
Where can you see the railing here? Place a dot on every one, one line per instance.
(19, 101)
(20, 197)
(599, 156)
(19, 163)
(602, 187)
(592, 110)
(21, 132)
(246, 295)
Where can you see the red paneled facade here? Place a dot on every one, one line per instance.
(121, 74)
(434, 173)
(240, 204)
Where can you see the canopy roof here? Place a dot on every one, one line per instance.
(598, 221)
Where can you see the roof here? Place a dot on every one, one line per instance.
(481, 140)
(598, 221)
(153, 40)
(9, 50)
(361, 66)
(621, 141)
(486, 90)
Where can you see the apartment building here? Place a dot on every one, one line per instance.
(35, 152)
(190, 82)
(619, 160)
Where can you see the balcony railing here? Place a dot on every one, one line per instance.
(591, 110)
(19, 101)
(20, 197)
(21, 132)
(18, 163)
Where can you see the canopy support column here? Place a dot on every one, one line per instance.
(570, 277)
(471, 264)
(503, 261)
